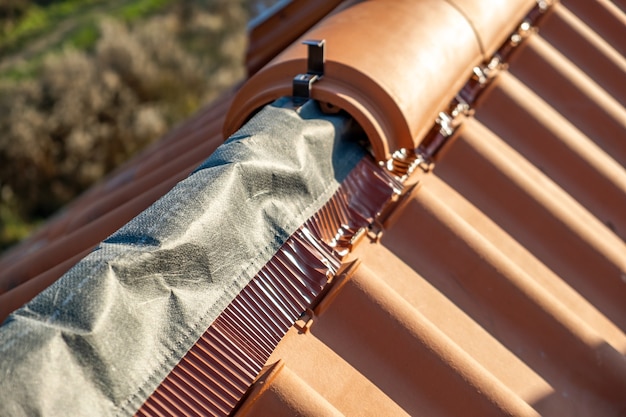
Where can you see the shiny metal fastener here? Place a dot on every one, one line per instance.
(301, 86)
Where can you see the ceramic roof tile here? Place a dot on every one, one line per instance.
(512, 248)
(494, 286)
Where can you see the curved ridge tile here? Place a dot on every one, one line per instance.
(365, 71)
(495, 288)
(493, 21)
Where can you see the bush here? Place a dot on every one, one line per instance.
(87, 113)
(10, 12)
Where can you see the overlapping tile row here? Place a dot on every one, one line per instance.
(217, 371)
(497, 286)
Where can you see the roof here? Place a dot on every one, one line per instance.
(495, 281)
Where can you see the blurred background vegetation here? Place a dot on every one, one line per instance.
(85, 84)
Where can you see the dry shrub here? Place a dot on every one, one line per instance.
(10, 12)
(89, 112)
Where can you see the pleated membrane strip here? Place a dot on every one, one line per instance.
(216, 372)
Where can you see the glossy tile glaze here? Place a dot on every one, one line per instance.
(507, 265)
(395, 107)
(498, 285)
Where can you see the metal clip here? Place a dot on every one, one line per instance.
(424, 161)
(402, 163)
(544, 5)
(486, 72)
(448, 122)
(315, 70)
(524, 31)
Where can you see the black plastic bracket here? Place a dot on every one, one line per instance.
(302, 82)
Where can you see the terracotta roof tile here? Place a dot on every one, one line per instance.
(505, 250)
(493, 286)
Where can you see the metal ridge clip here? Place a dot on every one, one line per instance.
(301, 86)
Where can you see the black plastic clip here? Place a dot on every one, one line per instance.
(302, 82)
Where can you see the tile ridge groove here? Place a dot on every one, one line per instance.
(596, 368)
(469, 21)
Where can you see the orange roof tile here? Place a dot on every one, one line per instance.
(495, 285)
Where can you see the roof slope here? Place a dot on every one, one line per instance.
(497, 284)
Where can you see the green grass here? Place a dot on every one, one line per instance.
(67, 24)
(141, 8)
(68, 8)
(39, 20)
(81, 18)
(35, 19)
(24, 71)
(83, 37)
(13, 228)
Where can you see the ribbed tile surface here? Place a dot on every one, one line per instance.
(498, 286)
